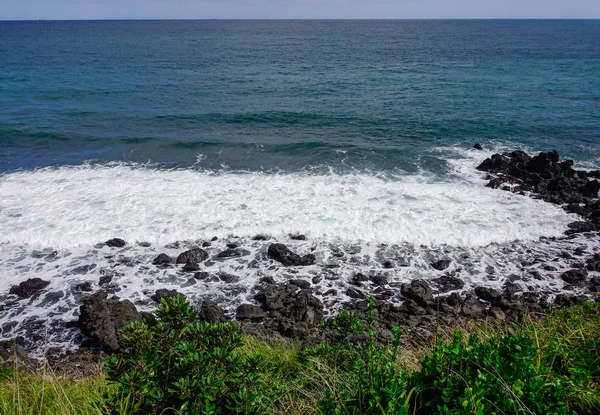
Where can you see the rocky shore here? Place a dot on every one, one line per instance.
(296, 307)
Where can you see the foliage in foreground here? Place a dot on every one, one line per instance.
(176, 365)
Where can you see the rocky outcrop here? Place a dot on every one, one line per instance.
(195, 255)
(164, 293)
(29, 288)
(115, 243)
(162, 259)
(101, 318)
(281, 253)
(14, 356)
(210, 312)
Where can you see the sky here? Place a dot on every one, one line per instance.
(296, 9)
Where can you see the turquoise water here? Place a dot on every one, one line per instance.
(292, 95)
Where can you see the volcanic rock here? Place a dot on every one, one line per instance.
(102, 318)
(162, 259)
(28, 288)
(282, 253)
(164, 293)
(115, 243)
(196, 255)
(249, 312)
(417, 290)
(210, 312)
(575, 276)
(441, 264)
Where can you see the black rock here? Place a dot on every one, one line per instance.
(102, 318)
(202, 275)
(300, 283)
(164, 293)
(282, 253)
(161, 259)
(260, 238)
(115, 243)
(84, 286)
(417, 290)
(228, 278)
(387, 265)
(191, 267)
(232, 253)
(447, 283)
(249, 312)
(298, 237)
(591, 188)
(354, 293)
(478, 146)
(193, 255)
(472, 307)
(379, 280)
(210, 312)
(575, 276)
(487, 294)
(28, 288)
(441, 264)
(291, 304)
(106, 279)
(580, 227)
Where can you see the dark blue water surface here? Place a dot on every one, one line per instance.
(263, 95)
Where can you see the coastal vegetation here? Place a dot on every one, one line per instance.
(173, 364)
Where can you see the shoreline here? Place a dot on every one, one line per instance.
(293, 305)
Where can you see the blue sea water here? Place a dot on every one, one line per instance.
(287, 95)
(356, 134)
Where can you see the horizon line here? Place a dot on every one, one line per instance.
(43, 19)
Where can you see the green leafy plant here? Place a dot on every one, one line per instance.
(503, 375)
(174, 364)
(374, 383)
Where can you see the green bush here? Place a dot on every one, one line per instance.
(373, 383)
(174, 364)
(503, 375)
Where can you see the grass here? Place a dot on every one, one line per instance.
(296, 381)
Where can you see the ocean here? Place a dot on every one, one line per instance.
(356, 134)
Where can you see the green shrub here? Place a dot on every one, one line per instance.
(174, 364)
(503, 375)
(373, 383)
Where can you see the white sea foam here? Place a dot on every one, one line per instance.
(68, 207)
(52, 218)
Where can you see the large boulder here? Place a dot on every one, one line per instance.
(28, 288)
(102, 318)
(115, 243)
(194, 255)
(575, 276)
(292, 303)
(281, 253)
(419, 291)
(210, 312)
(162, 259)
(250, 312)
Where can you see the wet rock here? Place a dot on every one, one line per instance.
(101, 318)
(379, 280)
(354, 293)
(115, 243)
(448, 283)
(487, 294)
(162, 259)
(260, 238)
(590, 189)
(417, 290)
(196, 255)
(249, 312)
(228, 278)
(164, 293)
(454, 300)
(233, 253)
(300, 283)
(28, 288)
(191, 267)
(84, 286)
(580, 227)
(202, 275)
(441, 264)
(291, 303)
(104, 280)
(83, 269)
(144, 244)
(358, 279)
(575, 276)
(478, 146)
(298, 237)
(282, 253)
(210, 312)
